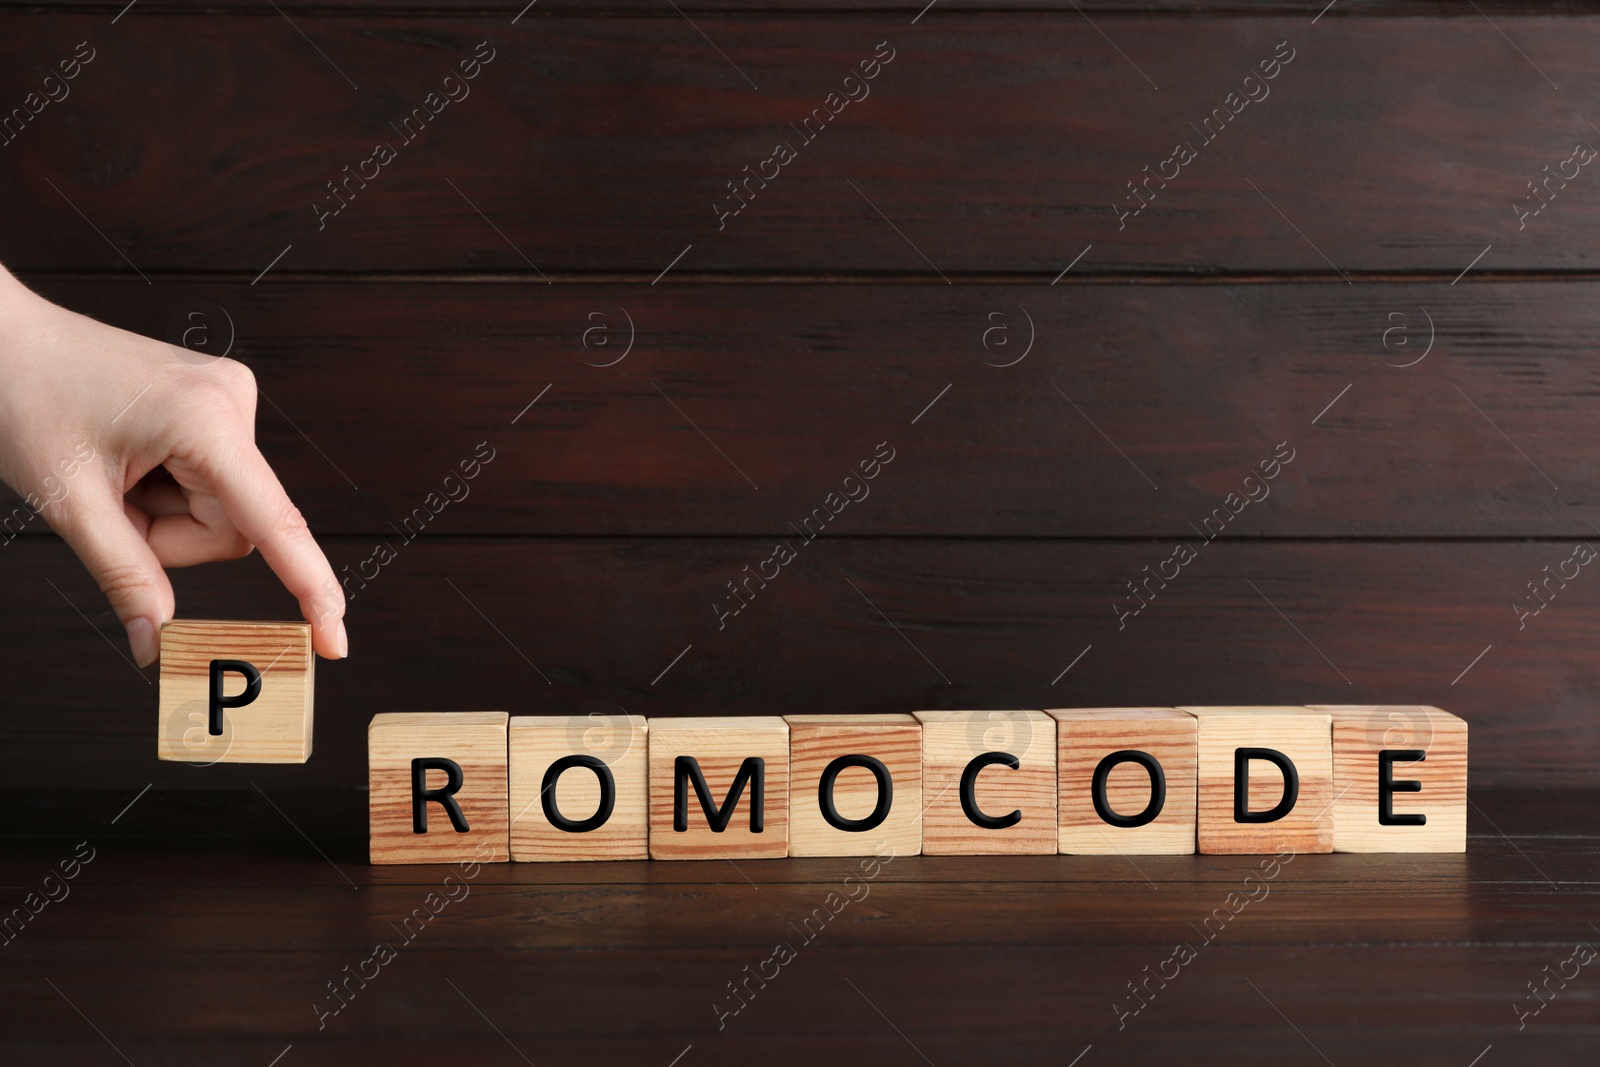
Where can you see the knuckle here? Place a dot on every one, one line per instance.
(290, 523)
(237, 547)
(208, 400)
(238, 378)
(124, 583)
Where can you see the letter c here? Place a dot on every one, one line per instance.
(969, 791)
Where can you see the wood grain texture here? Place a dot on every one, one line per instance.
(621, 742)
(276, 727)
(476, 742)
(1084, 737)
(720, 746)
(1002, 620)
(620, 962)
(951, 741)
(1196, 385)
(589, 8)
(815, 741)
(1302, 735)
(1359, 734)
(999, 143)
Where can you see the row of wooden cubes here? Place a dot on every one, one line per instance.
(446, 787)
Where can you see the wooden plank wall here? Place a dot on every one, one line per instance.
(945, 274)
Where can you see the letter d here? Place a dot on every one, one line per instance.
(1241, 785)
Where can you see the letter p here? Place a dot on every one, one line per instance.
(252, 690)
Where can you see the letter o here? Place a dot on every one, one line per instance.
(608, 794)
(1158, 788)
(880, 812)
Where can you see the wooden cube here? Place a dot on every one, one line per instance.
(719, 788)
(235, 692)
(578, 787)
(1127, 780)
(1377, 808)
(1272, 815)
(990, 780)
(855, 785)
(437, 787)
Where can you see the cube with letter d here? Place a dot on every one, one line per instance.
(1265, 780)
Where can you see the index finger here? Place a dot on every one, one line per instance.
(255, 501)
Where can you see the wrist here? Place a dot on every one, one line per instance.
(19, 307)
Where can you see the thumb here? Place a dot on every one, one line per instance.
(122, 563)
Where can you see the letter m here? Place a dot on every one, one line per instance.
(686, 769)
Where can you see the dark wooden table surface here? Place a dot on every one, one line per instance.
(207, 925)
(1349, 269)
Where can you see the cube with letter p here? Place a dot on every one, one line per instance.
(235, 692)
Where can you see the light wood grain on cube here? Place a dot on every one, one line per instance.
(273, 728)
(476, 741)
(950, 741)
(1085, 736)
(720, 745)
(815, 741)
(1306, 738)
(621, 743)
(1360, 732)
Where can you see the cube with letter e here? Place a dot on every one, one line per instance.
(1400, 778)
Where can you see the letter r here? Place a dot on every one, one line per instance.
(445, 795)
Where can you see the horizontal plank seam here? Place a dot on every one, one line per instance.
(1062, 8)
(1129, 539)
(1198, 276)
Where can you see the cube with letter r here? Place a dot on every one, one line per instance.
(437, 786)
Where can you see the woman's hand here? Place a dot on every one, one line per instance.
(142, 456)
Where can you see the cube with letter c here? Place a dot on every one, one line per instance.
(990, 780)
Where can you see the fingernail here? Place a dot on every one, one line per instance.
(344, 641)
(142, 640)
